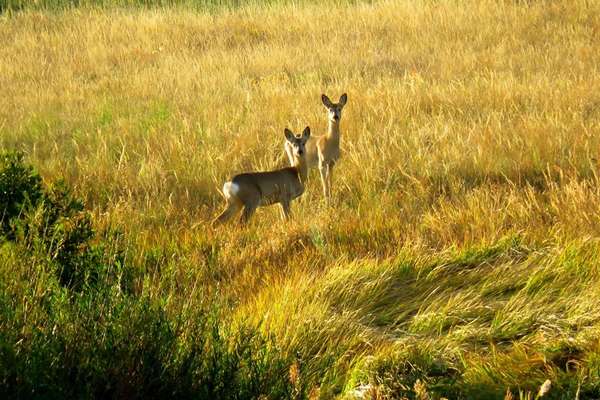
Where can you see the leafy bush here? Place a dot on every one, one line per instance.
(48, 221)
(69, 330)
(20, 190)
(109, 345)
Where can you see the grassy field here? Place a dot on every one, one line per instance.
(460, 256)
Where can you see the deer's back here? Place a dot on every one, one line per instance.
(270, 186)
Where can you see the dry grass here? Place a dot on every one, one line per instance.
(466, 202)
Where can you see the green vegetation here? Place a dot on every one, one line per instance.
(72, 328)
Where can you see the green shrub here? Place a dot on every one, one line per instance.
(20, 190)
(108, 345)
(68, 329)
(50, 223)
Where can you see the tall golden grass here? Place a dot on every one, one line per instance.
(465, 221)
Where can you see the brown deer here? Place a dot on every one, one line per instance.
(256, 189)
(324, 151)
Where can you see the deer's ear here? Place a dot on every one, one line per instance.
(306, 134)
(326, 101)
(343, 99)
(289, 135)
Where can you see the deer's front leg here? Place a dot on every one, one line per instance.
(285, 210)
(329, 178)
(324, 171)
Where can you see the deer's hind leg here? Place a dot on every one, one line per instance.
(251, 202)
(233, 207)
(247, 213)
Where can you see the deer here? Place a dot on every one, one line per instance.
(324, 151)
(251, 190)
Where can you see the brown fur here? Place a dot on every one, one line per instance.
(324, 151)
(256, 189)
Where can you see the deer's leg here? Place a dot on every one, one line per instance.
(231, 210)
(323, 181)
(247, 213)
(250, 205)
(329, 178)
(323, 170)
(285, 209)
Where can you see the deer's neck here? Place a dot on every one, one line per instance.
(302, 168)
(333, 130)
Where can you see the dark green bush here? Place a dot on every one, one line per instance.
(20, 190)
(68, 329)
(116, 346)
(52, 224)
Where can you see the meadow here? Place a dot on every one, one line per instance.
(458, 259)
